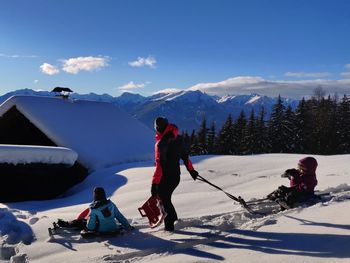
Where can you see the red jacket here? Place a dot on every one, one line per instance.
(171, 132)
(306, 181)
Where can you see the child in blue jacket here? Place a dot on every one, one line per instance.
(103, 214)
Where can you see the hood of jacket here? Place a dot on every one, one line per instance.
(309, 163)
(97, 204)
(170, 128)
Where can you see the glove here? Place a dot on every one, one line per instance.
(194, 174)
(290, 173)
(154, 190)
(283, 188)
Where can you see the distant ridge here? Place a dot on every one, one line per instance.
(185, 108)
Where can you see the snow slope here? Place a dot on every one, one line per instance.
(211, 228)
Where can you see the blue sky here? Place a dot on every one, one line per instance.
(147, 46)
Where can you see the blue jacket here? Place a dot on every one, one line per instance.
(102, 217)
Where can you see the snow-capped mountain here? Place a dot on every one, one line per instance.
(130, 98)
(185, 108)
(188, 108)
(253, 102)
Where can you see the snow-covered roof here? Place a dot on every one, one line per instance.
(101, 133)
(24, 154)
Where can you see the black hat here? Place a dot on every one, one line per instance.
(99, 194)
(160, 124)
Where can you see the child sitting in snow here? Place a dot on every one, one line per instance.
(99, 217)
(103, 213)
(302, 184)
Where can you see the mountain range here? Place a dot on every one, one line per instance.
(186, 109)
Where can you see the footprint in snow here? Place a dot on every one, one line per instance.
(33, 220)
(270, 222)
(21, 216)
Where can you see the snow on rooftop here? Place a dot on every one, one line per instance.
(101, 133)
(24, 154)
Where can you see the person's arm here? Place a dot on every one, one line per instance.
(119, 216)
(188, 163)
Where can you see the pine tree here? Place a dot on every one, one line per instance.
(277, 134)
(326, 140)
(211, 138)
(225, 142)
(250, 146)
(261, 139)
(343, 126)
(194, 144)
(239, 134)
(303, 127)
(289, 130)
(202, 138)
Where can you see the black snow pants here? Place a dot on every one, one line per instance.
(166, 189)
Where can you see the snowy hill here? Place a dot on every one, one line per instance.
(185, 108)
(218, 229)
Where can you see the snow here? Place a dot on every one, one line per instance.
(225, 98)
(97, 131)
(253, 100)
(24, 154)
(212, 227)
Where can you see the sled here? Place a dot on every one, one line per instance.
(153, 209)
(93, 234)
(68, 232)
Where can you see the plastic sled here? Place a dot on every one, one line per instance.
(84, 215)
(153, 209)
(92, 234)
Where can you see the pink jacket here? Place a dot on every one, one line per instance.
(306, 181)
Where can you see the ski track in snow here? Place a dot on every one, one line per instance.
(193, 233)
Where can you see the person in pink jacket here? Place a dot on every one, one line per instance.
(305, 181)
(302, 184)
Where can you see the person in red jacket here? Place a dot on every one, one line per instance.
(302, 183)
(169, 149)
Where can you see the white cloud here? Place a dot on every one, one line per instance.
(141, 62)
(132, 85)
(345, 74)
(49, 69)
(308, 74)
(74, 65)
(292, 89)
(36, 81)
(167, 91)
(17, 56)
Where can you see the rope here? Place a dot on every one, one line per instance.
(237, 199)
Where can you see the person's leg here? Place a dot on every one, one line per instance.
(165, 194)
(171, 217)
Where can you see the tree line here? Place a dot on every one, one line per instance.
(317, 126)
